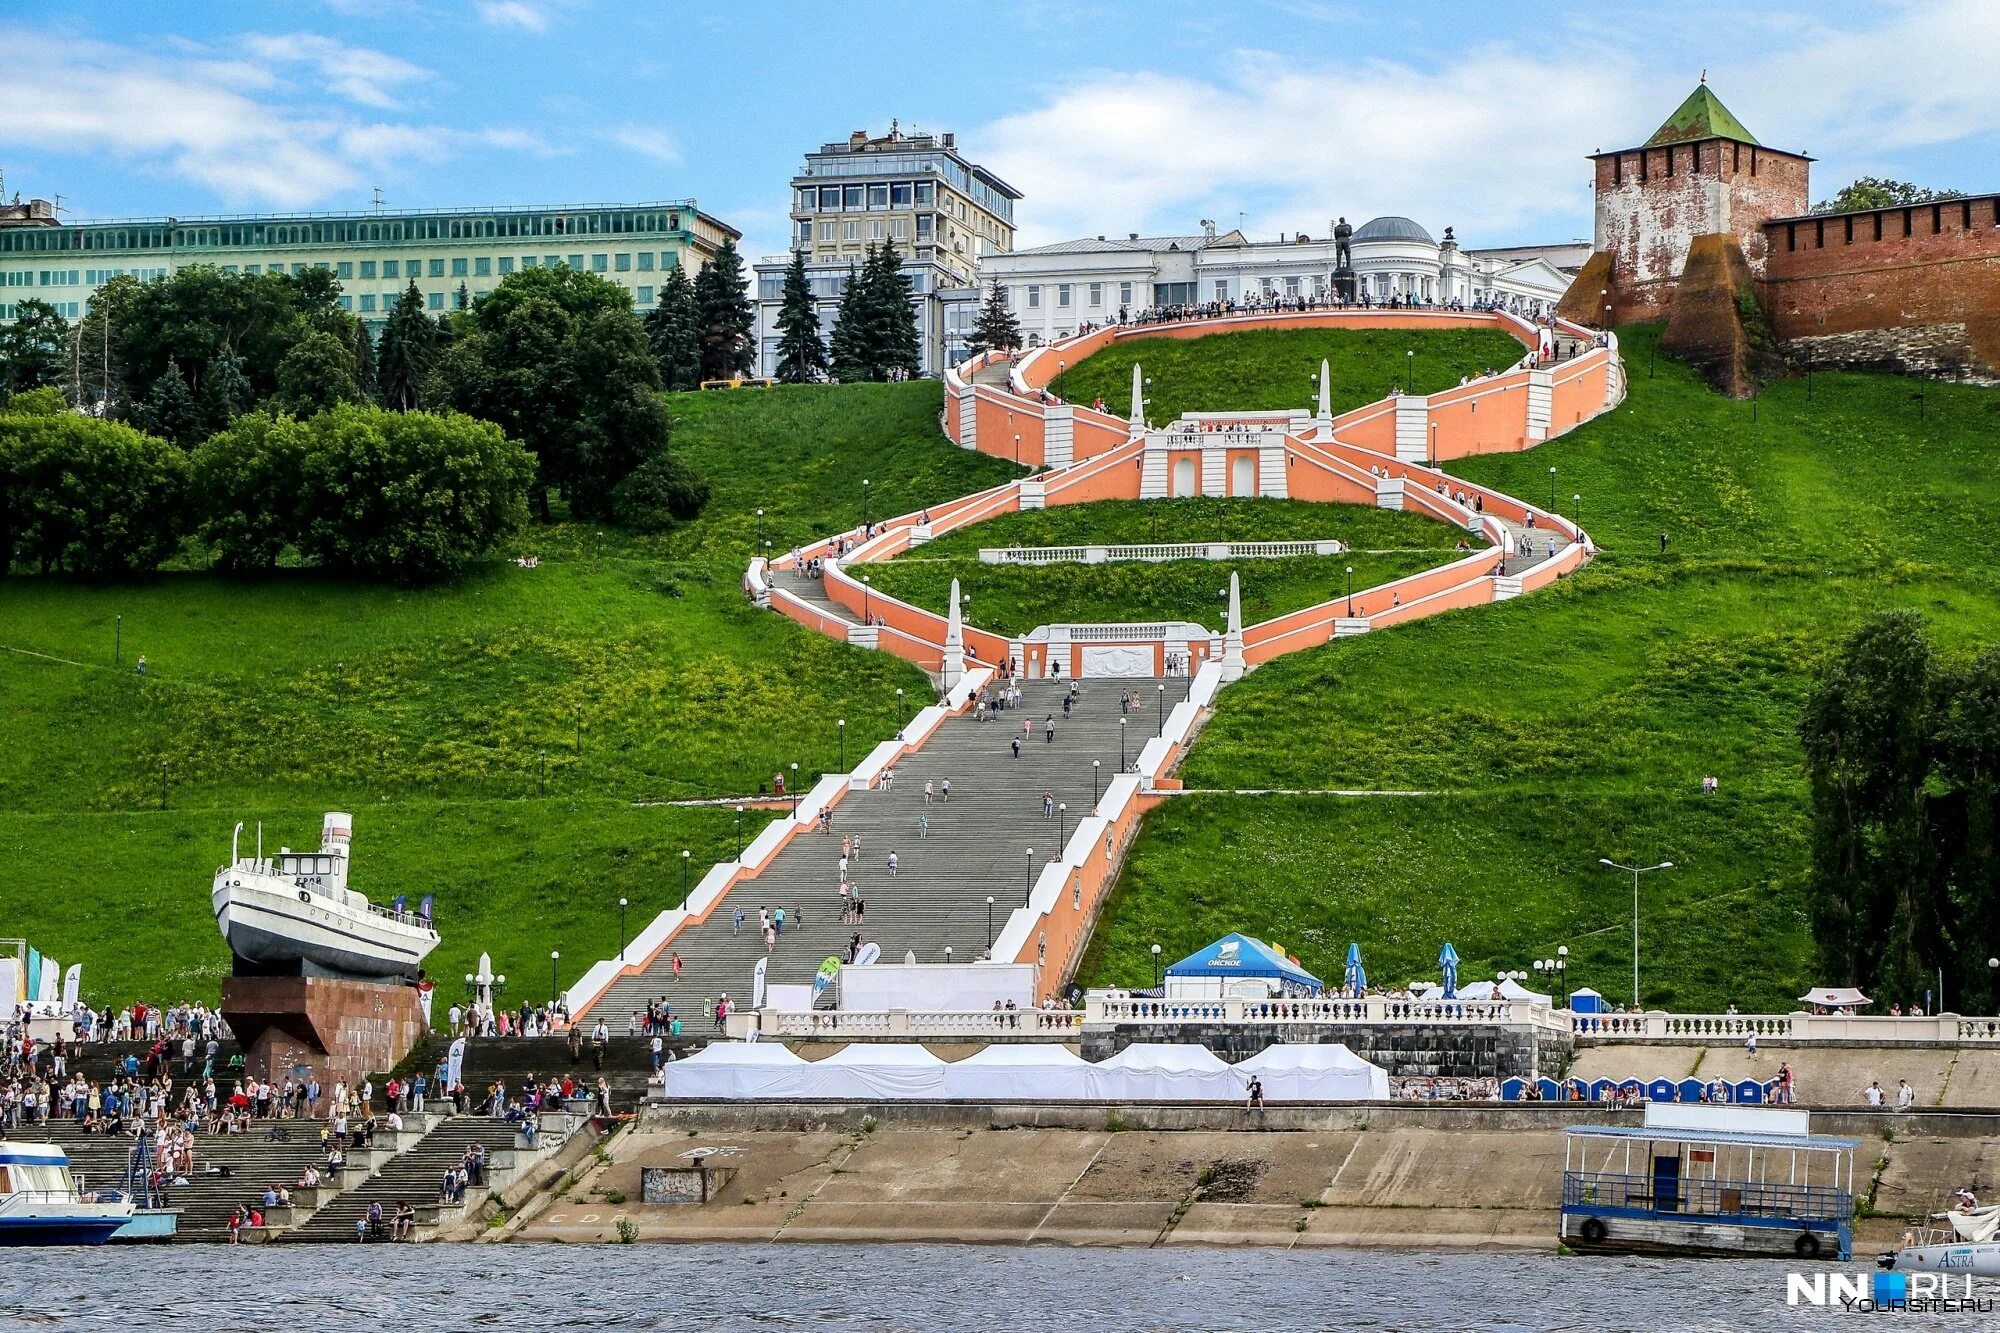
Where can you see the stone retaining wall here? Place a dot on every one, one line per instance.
(1442, 1050)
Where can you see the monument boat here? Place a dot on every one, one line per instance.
(293, 914)
(42, 1203)
(1709, 1180)
(1968, 1242)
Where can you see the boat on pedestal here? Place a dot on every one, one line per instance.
(293, 915)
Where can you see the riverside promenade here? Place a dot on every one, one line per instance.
(981, 889)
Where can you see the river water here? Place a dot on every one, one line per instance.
(879, 1288)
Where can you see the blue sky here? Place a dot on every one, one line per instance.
(1111, 115)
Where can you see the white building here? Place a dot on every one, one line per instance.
(1054, 290)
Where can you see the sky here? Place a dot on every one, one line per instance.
(1110, 116)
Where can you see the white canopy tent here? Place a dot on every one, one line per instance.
(874, 1072)
(1835, 997)
(739, 1071)
(1166, 1072)
(1484, 990)
(1027, 1071)
(1315, 1073)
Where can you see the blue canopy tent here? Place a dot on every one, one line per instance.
(1448, 970)
(1215, 972)
(1357, 976)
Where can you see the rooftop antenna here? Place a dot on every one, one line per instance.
(58, 204)
(377, 202)
(1704, 76)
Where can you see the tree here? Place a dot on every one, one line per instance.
(408, 351)
(225, 395)
(169, 410)
(1875, 192)
(850, 351)
(558, 360)
(248, 483)
(315, 375)
(408, 496)
(897, 349)
(364, 363)
(673, 330)
(47, 401)
(996, 329)
(34, 348)
(87, 497)
(1868, 730)
(801, 355)
(659, 494)
(722, 315)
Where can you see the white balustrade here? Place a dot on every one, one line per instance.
(1157, 552)
(850, 1024)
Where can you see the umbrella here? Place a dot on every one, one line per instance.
(1448, 970)
(1357, 976)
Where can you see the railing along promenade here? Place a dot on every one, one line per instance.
(1158, 552)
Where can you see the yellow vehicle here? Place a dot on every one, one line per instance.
(738, 382)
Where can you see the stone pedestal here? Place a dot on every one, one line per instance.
(341, 1029)
(1344, 285)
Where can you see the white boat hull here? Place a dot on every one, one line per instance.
(1979, 1259)
(270, 924)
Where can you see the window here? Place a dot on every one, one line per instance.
(389, 269)
(805, 233)
(850, 231)
(367, 305)
(436, 301)
(850, 197)
(1062, 296)
(827, 231)
(1222, 289)
(576, 262)
(253, 270)
(770, 287)
(1034, 297)
(829, 197)
(529, 261)
(899, 229)
(458, 268)
(482, 267)
(437, 267)
(807, 198)
(899, 195)
(1291, 286)
(1173, 293)
(645, 296)
(1096, 295)
(875, 232)
(926, 192)
(645, 261)
(878, 196)
(298, 269)
(599, 263)
(506, 265)
(1124, 293)
(925, 222)
(367, 268)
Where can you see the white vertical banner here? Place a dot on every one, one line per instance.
(72, 987)
(757, 983)
(454, 1064)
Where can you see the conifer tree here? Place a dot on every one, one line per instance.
(801, 356)
(364, 362)
(996, 328)
(850, 327)
(169, 410)
(896, 352)
(722, 306)
(225, 393)
(408, 350)
(672, 330)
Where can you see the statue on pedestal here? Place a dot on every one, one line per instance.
(1343, 261)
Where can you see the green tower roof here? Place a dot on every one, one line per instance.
(1702, 116)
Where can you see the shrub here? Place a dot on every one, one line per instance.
(249, 484)
(659, 494)
(87, 497)
(46, 401)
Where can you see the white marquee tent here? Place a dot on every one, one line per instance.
(1030, 1071)
(737, 1070)
(1316, 1073)
(1167, 1072)
(865, 1071)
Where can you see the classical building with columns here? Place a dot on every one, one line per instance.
(1056, 289)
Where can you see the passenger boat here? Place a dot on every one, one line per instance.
(1968, 1242)
(293, 914)
(1709, 1180)
(41, 1203)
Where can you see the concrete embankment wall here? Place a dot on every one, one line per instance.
(1357, 1175)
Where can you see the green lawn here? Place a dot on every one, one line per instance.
(1578, 722)
(1267, 369)
(1139, 522)
(441, 716)
(1013, 599)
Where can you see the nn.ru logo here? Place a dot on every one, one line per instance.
(1885, 1291)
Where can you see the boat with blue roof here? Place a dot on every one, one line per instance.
(43, 1203)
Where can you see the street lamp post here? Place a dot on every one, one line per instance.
(687, 897)
(841, 726)
(1017, 451)
(1062, 823)
(761, 543)
(899, 712)
(1410, 371)
(989, 921)
(795, 789)
(866, 587)
(1576, 509)
(739, 833)
(543, 757)
(1434, 444)
(1562, 971)
(1635, 872)
(947, 953)
(163, 784)
(1552, 488)
(1160, 727)
(864, 505)
(1028, 889)
(555, 955)
(1095, 766)
(1350, 592)
(1156, 967)
(621, 930)
(1121, 745)
(118, 641)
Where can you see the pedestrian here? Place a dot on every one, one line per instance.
(142, 664)
(846, 845)
(1750, 1045)
(1050, 724)
(1663, 543)
(929, 793)
(843, 866)
(923, 827)
(1873, 1096)
(1255, 1101)
(778, 921)
(1017, 747)
(1906, 1096)
(677, 967)
(944, 792)
(736, 927)
(1066, 704)
(1048, 805)
(770, 939)
(892, 863)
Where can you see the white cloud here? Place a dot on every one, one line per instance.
(235, 126)
(372, 78)
(520, 14)
(647, 141)
(1487, 142)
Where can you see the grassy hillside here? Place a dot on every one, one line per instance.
(447, 718)
(1578, 722)
(1279, 368)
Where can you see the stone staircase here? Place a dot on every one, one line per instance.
(978, 844)
(414, 1175)
(628, 1061)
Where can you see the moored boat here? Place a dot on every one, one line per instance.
(293, 914)
(1967, 1242)
(42, 1203)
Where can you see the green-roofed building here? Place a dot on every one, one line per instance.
(1702, 173)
